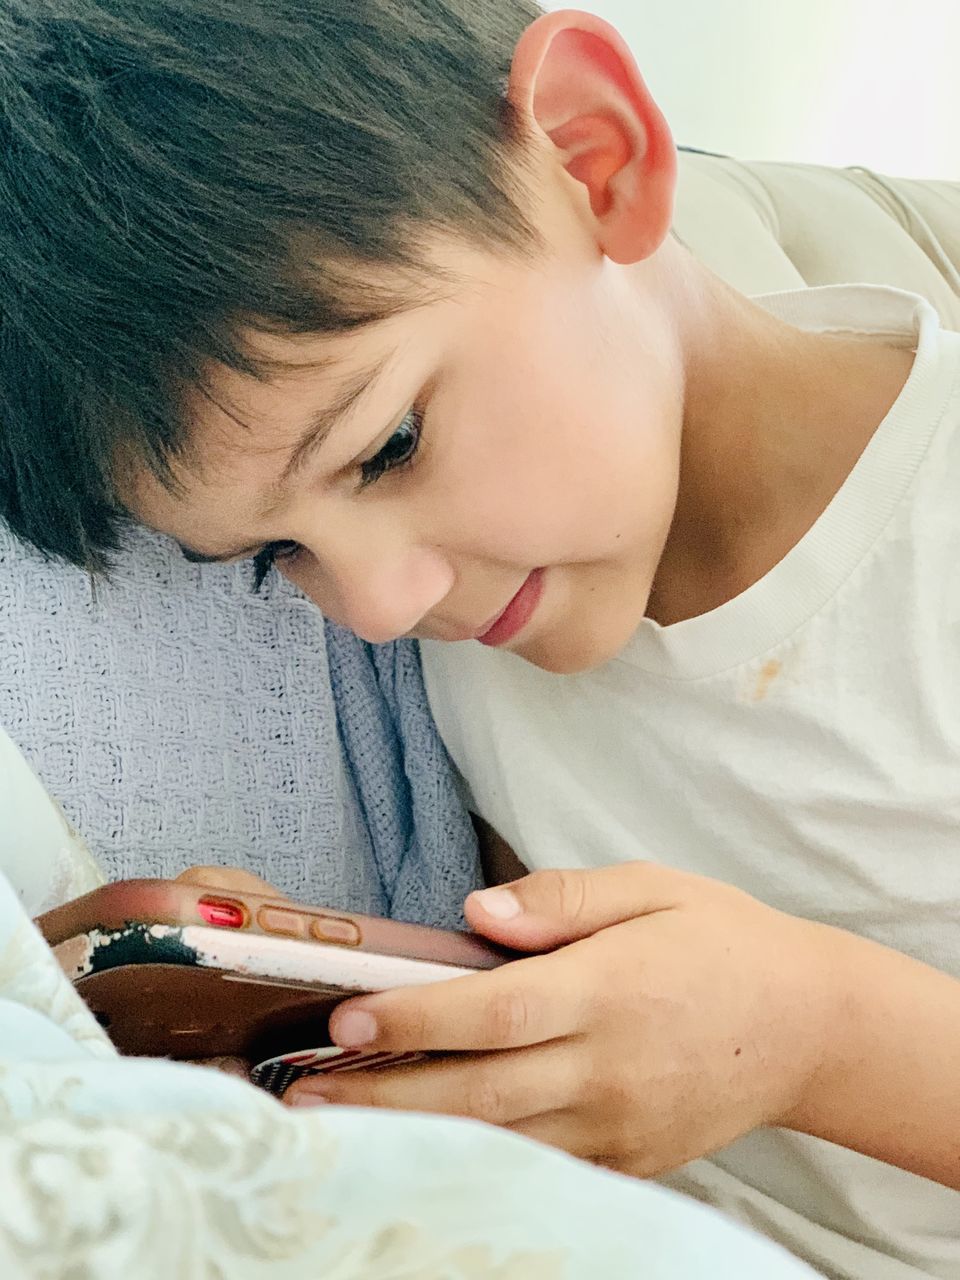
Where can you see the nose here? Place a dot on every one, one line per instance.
(380, 596)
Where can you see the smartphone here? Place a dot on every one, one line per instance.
(179, 971)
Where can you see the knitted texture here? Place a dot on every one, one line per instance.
(181, 719)
(406, 784)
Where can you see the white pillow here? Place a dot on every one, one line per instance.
(44, 859)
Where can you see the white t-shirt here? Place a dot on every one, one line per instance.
(801, 741)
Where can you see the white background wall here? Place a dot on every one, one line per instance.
(872, 82)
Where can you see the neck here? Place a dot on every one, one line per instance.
(774, 419)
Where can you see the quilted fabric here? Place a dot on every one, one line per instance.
(179, 718)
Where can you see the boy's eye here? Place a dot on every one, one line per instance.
(264, 560)
(396, 453)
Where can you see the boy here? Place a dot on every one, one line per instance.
(388, 296)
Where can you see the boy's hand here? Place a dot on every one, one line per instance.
(228, 880)
(676, 1014)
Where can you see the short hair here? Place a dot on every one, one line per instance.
(174, 171)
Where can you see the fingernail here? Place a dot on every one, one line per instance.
(354, 1028)
(501, 904)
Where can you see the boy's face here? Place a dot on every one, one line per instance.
(537, 473)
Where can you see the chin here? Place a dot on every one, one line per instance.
(573, 652)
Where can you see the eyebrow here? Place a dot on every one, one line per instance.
(322, 423)
(317, 429)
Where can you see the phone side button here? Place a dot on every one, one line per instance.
(344, 933)
(222, 913)
(288, 924)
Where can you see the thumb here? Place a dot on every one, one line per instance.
(550, 908)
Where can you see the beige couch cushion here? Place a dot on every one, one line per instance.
(765, 226)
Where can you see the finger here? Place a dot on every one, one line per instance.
(228, 879)
(578, 1134)
(525, 1002)
(563, 1129)
(549, 908)
(499, 1088)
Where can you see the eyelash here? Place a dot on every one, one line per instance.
(370, 472)
(269, 556)
(381, 463)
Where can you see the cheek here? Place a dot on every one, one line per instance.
(305, 574)
(570, 471)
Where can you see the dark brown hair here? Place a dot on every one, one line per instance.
(170, 169)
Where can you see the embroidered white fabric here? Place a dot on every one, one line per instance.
(115, 1168)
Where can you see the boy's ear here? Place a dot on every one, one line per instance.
(575, 80)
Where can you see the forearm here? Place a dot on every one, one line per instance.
(889, 1084)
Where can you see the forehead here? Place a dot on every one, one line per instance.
(295, 376)
(238, 425)
(306, 372)
(241, 428)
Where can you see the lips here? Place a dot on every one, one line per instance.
(511, 620)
